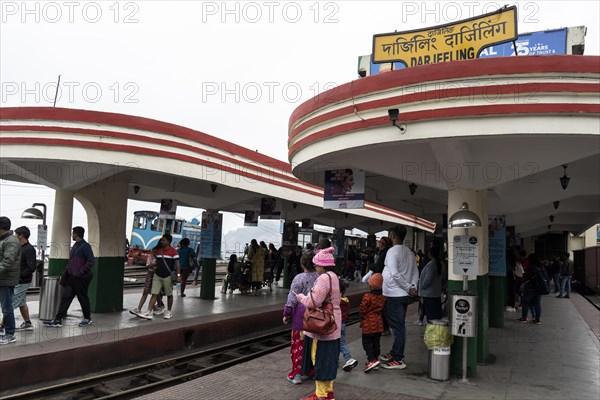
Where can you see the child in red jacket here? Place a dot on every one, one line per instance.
(371, 321)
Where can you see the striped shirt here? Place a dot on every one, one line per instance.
(166, 256)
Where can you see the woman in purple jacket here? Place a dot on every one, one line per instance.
(294, 310)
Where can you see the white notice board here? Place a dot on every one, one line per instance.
(466, 255)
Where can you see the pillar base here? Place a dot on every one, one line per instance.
(209, 271)
(106, 288)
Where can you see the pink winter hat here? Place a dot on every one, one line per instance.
(324, 258)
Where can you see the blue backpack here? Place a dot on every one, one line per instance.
(542, 281)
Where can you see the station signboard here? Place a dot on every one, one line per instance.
(463, 40)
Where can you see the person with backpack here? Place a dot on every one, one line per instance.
(531, 290)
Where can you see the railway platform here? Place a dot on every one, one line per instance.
(558, 359)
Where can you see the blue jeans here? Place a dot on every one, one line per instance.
(8, 314)
(343, 346)
(531, 301)
(556, 282)
(565, 285)
(395, 313)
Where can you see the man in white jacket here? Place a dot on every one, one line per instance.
(400, 278)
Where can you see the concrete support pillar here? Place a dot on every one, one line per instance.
(105, 203)
(61, 232)
(478, 349)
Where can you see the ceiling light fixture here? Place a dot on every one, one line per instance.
(564, 180)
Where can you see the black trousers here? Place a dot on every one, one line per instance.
(432, 308)
(75, 287)
(371, 344)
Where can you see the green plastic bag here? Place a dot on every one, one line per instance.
(437, 336)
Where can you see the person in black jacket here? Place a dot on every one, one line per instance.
(28, 267)
(383, 246)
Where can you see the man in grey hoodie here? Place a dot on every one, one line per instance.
(10, 267)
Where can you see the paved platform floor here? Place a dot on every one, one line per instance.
(559, 359)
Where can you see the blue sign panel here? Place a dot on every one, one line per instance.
(531, 44)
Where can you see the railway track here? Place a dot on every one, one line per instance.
(136, 381)
(157, 375)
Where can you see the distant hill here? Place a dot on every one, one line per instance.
(234, 241)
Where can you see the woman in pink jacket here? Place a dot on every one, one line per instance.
(321, 351)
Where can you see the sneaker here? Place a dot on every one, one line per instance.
(330, 396)
(371, 365)
(296, 380)
(85, 322)
(146, 315)
(168, 315)
(387, 332)
(536, 322)
(419, 323)
(315, 397)
(510, 309)
(522, 320)
(158, 310)
(25, 326)
(135, 311)
(182, 295)
(8, 339)
(55, 323)
(394, 364)
(386, 358)
(351, 363)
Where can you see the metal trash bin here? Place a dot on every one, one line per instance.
(50, 294)
(439, 357)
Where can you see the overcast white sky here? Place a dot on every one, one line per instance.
(233, 69)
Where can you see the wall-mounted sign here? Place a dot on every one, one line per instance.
(344, 188)
(250, 218)
(42, 237)
(497, 245)
(210, 235)
(531, 44)
(466, 255)
(462, 40)
(168, 208)
(269, 209)
(464, 315)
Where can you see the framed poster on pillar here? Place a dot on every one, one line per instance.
(497, 245)
(290, 234)
(210, 236)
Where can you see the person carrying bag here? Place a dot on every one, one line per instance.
(320, 319)
(321, 350)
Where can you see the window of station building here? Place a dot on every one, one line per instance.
(303, 239)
